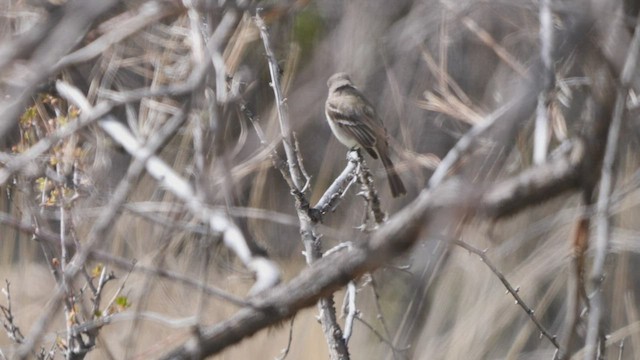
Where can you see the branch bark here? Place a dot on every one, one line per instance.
(329, 274)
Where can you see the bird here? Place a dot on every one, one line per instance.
(355, 123)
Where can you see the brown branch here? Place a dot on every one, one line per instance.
(329, 274)
(533, 185)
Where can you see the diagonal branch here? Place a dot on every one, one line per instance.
(329, 274)
(513, 291)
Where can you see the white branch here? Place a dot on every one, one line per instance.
(266, 271)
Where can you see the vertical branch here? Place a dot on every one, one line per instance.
(369, 193)
(603, 224)
(541, 134)
(333, 333)
(8, 321)
(281, 107)
(352, 311)
(603, 227)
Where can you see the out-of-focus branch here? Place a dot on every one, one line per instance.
(464, 144)
(603, 226)
(57, 42)
(8, 321)
(100, 255)
(104, 221)
(536, 184)
(541, 133)
(602, 220)
(267, 273)
(393, 238)
(491, 43)
(117, 98)
(134, 21)
(18, 162)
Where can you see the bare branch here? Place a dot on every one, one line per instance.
(340, 185)
(13, 331)
(281, 106)
(265, 270)
(328, 274)
(541, 133)
(604, 200)
(55, 43)
(148, 13)
(352, 311)
(513, 291)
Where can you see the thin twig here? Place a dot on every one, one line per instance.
(296, 145)
(135, 20)
(513, 291)
(285, 351)
(281, 107)
(13, 331)
(267, 272)
(127, 264)
(464, 144)
(380, 315)
(380, 336)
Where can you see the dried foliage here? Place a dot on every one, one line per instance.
(163, 164)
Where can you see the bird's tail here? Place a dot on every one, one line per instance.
(395, 182)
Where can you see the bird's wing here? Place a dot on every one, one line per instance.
(355, 115)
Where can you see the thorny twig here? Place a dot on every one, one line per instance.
(369, 193)
(379, 336)
(513, 291)
(13, 331)
(308, 221)
(125, 263)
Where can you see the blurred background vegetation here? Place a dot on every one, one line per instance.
(433, 69)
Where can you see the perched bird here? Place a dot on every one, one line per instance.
(354, 121)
